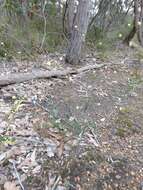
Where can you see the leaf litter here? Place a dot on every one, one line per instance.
(55, 145)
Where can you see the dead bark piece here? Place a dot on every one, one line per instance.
(23, 77)
(10, 186)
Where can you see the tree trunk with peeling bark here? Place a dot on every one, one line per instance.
(78, 32)
(70, 16)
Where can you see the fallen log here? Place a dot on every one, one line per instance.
(39, 74)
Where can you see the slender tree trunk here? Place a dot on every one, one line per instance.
(138, 23)
(131, 35)
(68, 17)
(24, 5)
(141, 25)
(59, 8)
(138, 20)
(78, 32)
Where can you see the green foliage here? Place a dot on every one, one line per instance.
(6, 140)
(105, 41)
(125, 125)
(134, 81)
(12, 6)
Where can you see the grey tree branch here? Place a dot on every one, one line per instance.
(39, 74)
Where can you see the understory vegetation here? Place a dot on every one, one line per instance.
(41, 30)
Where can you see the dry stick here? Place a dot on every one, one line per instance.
(23, 77)
(56, 183)
(17, 175)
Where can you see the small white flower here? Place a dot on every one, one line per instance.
(77, 107)
(100, 43)
(70, 79)
(5, 54)
(120, 108)
(75, 26)
(49, 63)
(58, 121)
(131, 44)
(89, 86)
(2, 43)
(19, 52)
(71, 119)
(115, 82)
(129, 24)
(139, 23)
(120, 35)
(103, 119)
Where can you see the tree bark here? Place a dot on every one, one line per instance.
(139, 20)
(138, 23)
(78, 32)
(68, 17)
(131, 35)
(141, 26)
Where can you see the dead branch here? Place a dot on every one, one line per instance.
(39, 74)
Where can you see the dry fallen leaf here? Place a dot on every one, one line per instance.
(60, 149)
(10, 186)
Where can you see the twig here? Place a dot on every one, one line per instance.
(17, 175)
(56, 183)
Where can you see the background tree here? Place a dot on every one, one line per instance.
(137, 23)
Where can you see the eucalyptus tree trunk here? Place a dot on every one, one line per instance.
(78, 32)
(68, 17)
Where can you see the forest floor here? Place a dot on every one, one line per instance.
(81, 132)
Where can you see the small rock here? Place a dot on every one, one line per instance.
(51, 151)
(60, 187)
(3, 179)
(132, 173)
(141, 185)
(133, 94)
(118, 177)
